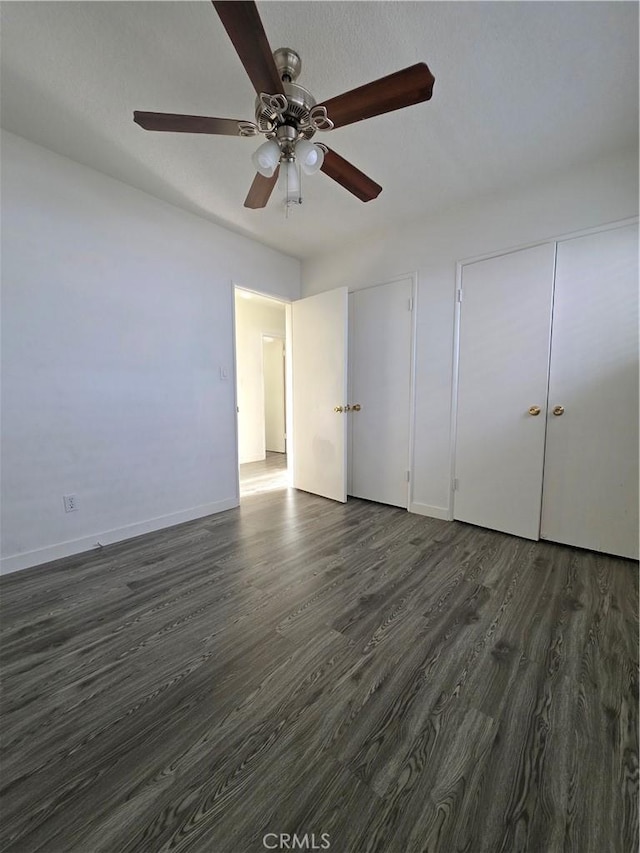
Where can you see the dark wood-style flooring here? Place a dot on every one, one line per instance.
(302, 667)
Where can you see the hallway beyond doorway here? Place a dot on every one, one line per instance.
(267, 475)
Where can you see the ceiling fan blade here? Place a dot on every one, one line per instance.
(244, 27)
(402, 89)
(260, 190)
(186, 124)
(349, 177)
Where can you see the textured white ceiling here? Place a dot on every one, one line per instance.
(523, 89)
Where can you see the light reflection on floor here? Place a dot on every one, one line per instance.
(267, 475)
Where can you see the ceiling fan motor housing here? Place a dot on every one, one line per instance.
(300, 101)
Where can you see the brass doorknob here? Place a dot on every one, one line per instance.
(534, 410)
(338, 409)
(558, 410)
(356, 407)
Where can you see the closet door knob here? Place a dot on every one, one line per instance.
(356, 407)
(558, 410)
(338, 409)
(534, 410)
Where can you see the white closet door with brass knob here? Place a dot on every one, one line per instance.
(590, 494)
(503, 368)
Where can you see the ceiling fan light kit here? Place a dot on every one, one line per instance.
(310, 156)
(288, 115)
(266, 158)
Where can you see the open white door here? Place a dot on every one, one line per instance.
(319, 362)
(380, 363)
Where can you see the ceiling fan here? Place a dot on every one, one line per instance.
(288, 115)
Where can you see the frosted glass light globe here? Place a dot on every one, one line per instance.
(309, 156)
(266, 158)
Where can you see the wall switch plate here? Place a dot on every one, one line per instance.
(70, 503)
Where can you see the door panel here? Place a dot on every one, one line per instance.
(505, 321)
(380, 332)
(319, 367)
(591, 461)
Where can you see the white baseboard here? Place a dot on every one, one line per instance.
(108, 537)
(441, 512)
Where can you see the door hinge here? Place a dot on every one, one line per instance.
(408, 476)
(456, 484)
(459, 295)
(411, 304)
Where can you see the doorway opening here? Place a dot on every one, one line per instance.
(263, 406)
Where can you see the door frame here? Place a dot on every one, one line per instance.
(286, 303)
(582, 232)
(413, 277)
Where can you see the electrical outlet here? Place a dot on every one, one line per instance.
(70, 503)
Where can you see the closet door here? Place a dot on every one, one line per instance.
(591, 461)
(505, 323)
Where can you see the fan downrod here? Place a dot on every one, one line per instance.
(288, 63)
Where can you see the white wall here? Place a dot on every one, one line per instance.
(605, 192)
(254, 318)
(116, 320)
(274, 394)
